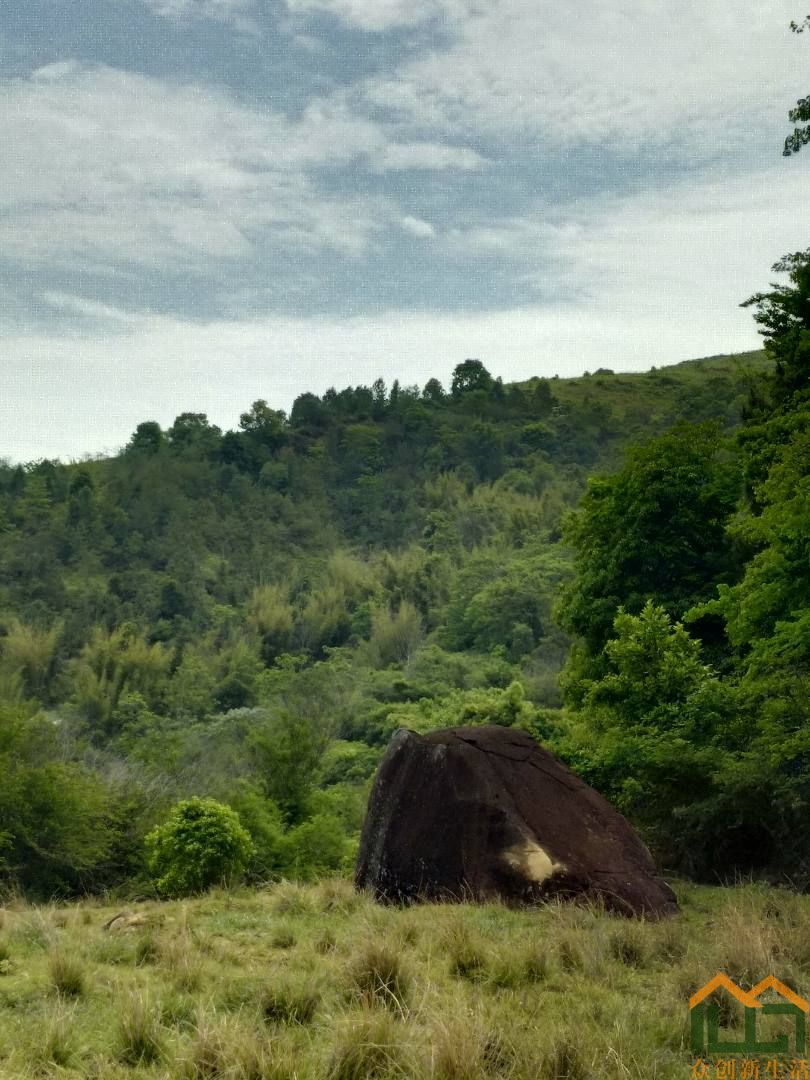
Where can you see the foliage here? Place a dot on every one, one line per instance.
(245, 616)
(784, 315)
(54, 815)
(657, 731)
(507, 707)
(201, 843)
(655, 529)
(800, 136)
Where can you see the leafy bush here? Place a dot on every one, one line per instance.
(201, 844)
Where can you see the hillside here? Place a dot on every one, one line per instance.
(248, 615)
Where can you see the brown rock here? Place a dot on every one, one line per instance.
(126, 920)
(486, 812)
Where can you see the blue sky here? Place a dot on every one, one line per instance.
(203, 202)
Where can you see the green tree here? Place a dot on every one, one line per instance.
(469, 375)
(654, 733)
(54, 814)
(800, 136)
(287, 750)
(655, 529)
(110, 663)
(767, 614)
(201, 843)
(395, 635)
(148, 438)
(784, 317)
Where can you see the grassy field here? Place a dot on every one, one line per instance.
(317, 981)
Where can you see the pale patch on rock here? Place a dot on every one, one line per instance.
(531, 861)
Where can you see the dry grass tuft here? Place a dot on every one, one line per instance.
(288, 898)
(467, 953)
(289, 1003)
(283, 937)
(67, 974)
(148, 948)
(570, 954)
(56, 1044)
(335, 896)
(140, 1037)
(326, 942)
(629, 944)
(378, 977)
(371, 1049)
(177, 1010)
(223, 1048)
(563, 1061)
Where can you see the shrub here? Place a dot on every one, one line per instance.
(202, 843)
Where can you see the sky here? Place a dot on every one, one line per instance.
(207, 202)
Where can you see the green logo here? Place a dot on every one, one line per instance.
(705, 1018)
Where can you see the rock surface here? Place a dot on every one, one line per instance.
(486, 812)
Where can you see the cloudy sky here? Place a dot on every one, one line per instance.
(203, 202)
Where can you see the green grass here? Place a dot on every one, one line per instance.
(202, 990)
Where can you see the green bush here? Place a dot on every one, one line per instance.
(202, 843)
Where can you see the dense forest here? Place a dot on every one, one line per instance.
(618, 563)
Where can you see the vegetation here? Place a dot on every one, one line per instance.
(437, 991)
(689, 674)
(246, 616)
(202, 843)
(800, 136)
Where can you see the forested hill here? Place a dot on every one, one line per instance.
(185, 523)
(190, 529)
(247, 615)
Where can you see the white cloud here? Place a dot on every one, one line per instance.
(373, 15)
(650, 279)
(427, 156)
(417, 227)
(237, 12)
(109, 166)
(629, 75)
(58, 70)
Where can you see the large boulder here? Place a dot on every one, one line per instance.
(486, 812)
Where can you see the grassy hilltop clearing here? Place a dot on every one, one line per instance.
(316, 981)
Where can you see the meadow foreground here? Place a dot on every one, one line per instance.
(317, 981)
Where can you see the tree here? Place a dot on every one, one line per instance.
(654, 732)
(264, 425)
(148, 437)
(784, 315)
(310, 413)
(53, 813)
(470, 375)
(395, 635)
(801, 114)
(193, 431)
(655, 529)
(433, 392)
(202, 843)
